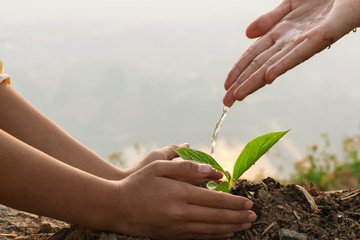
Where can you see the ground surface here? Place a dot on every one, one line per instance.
(15, 224)
(284, 212)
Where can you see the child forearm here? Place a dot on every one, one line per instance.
(23, 121)
(35, 182)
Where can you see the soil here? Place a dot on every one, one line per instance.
(285, 212)
(15, 224)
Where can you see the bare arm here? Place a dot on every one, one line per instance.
(23, 121)
(33, 181)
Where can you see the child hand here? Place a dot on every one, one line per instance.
(168, 153)
(153, 203)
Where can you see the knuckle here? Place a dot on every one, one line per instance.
(251, 50)
(219, 214)
(188, 166)
(255, 63)
(217, 199)
(156, 166)
(270, 62)
(176, 214)
(157, 154)
(268, 79)
(236, 67)
(177, 194)
(239, 95)
(273, 36)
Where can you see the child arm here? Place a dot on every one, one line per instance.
(23, 121)
(33, 181)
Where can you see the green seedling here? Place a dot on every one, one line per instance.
(249, 155)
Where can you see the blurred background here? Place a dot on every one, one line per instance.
(126, 77)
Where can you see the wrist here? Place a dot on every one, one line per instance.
(113, 215)
(103, 212)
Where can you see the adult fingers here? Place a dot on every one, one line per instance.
(258, 80)
(265, 22)
(255, 64)
(252, 52)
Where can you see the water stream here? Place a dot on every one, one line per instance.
(217, 129)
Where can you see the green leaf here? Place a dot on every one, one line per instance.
(212, 185)
(223, 186)
(253, 151)
(199, 157)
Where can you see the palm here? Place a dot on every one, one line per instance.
(290, 34)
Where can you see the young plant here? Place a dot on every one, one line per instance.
(249, 155)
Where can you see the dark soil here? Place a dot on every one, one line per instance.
(283, 213)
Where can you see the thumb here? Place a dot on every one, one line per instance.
(181, 169)
(165, 153)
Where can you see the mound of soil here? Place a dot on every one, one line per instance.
(285, 212)
(293, 212)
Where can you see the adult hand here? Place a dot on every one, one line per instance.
(153, 203)
(168, 153)
(290, 34)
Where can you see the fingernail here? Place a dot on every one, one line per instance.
(185, 145)
(251, 217)
(248, 204)
(204, 168)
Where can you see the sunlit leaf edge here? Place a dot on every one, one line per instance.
(270, 139)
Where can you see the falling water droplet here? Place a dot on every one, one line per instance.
(329, 47)
(354, 30)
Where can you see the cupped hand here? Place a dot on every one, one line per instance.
(290, 34)
(154, 203)
(168, 153)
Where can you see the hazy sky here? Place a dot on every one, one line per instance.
(115, 73)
